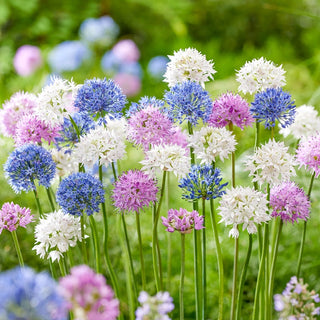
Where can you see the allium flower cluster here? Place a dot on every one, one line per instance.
(243, 205)
(65, 162)
(154, 307)
(88, 295)
(289, 202)
(202, 182)
(183, 221)
(133, 191)
(29, 163)
(143, 103)
(230, 108)
(80, 193)
(168, 157)
(210, 143)
(188, 64)
(271, 163)
(55, 233)
(26, 295)
(297, 302)
(188, 101)
(258, 75)
(12, 216)
(273, 105)
(308, 154)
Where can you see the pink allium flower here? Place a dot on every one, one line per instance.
(182, 221)
(126, 50)
(17, 106)
(149, 126)
(32, 130)
(129, 84)
(289, 202)
(12, 216)
(88, 295)
(27, 60)
(230, 108)
(179, 138)
(308, 154)
(134, 190)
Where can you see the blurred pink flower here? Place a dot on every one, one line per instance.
(126, 50)
(27, 60)
(129, 84)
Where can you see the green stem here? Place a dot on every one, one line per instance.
(143, 273)
(169, 251)
(204, 260)
(234, 283)
(70, 258)
(182, 276)
(16, 244)
(38, 203)
(50, 199)
(62, 267)
(257, 135)
(83, 242)
(95, 237)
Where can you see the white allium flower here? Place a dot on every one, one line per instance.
(258, 75)
(65, 162)
(243, 205)
(306, 123)
(271, 163)
(55, 102)
(188, 64)
(210, 143)
(168, 157)
(55, 233)
(105, 142)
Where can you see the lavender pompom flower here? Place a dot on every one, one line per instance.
(126, 50)
(133, 191)
(273, 105)
(188, 101)
(289, 202)
(80, 193)
(130, 84)
(29, 163)
(202, 182)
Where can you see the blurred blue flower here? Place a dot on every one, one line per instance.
(157, 66)
(68, 56)
(26, 295)
(27, 164)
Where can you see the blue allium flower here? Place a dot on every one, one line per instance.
(202, 182)
(80, 192)
(27, 164)
(271, 105)
(188, 101)
(68, 135)
(157, 66)
(143, 103)
(26, 295)
(100, 96)
(68, 56)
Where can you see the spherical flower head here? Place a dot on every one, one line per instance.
(28, 295)
(289, 202)
(88, 295)
(273, 105)
(100, 96)
(133, 191)
(20, 104)
(182, 221)
(80, 193)
(55, 234)
(126, 50)
(130, 84)
(258, 75)
(27, 60)
(143, 103)
(202, 182)
(154, 307)
(157, 67)
(230, 108)
(308, 154)
(166, 157)
(12, 216)
(65, 162)
(188, 101)
(188, 64)
(271, 163)
(210, 143)
(243, 205)
(28, 164)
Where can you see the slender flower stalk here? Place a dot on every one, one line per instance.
(17, 246)
(83, 242)
(181, 288)
(96, 246)
(204, 259)
(143, 273)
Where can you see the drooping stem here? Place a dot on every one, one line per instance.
(96, 247)
(182, 276)
(143, 273)
(83, 242)
(204, 259)
(17, 246)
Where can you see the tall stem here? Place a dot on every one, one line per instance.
(17, 246)
(62, 267)
(83, 242)
(182, 276)
(169, 251)
(38, 203)
(204, 259)
(143, 273)
(50, 199)
(95, 243)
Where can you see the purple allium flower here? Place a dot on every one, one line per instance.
(308, 154)
(129, 83)
(157, 67)
(14, 109)
(27, 60)
(289, 202)
(271, 105)
(88, 295)
(126, 50)
(133, 191)
(143, 103)
(188, 101)
(230, 108)
(12, 216)
(182, 221)
(29, 163)
(80, 192)
(179, 138)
